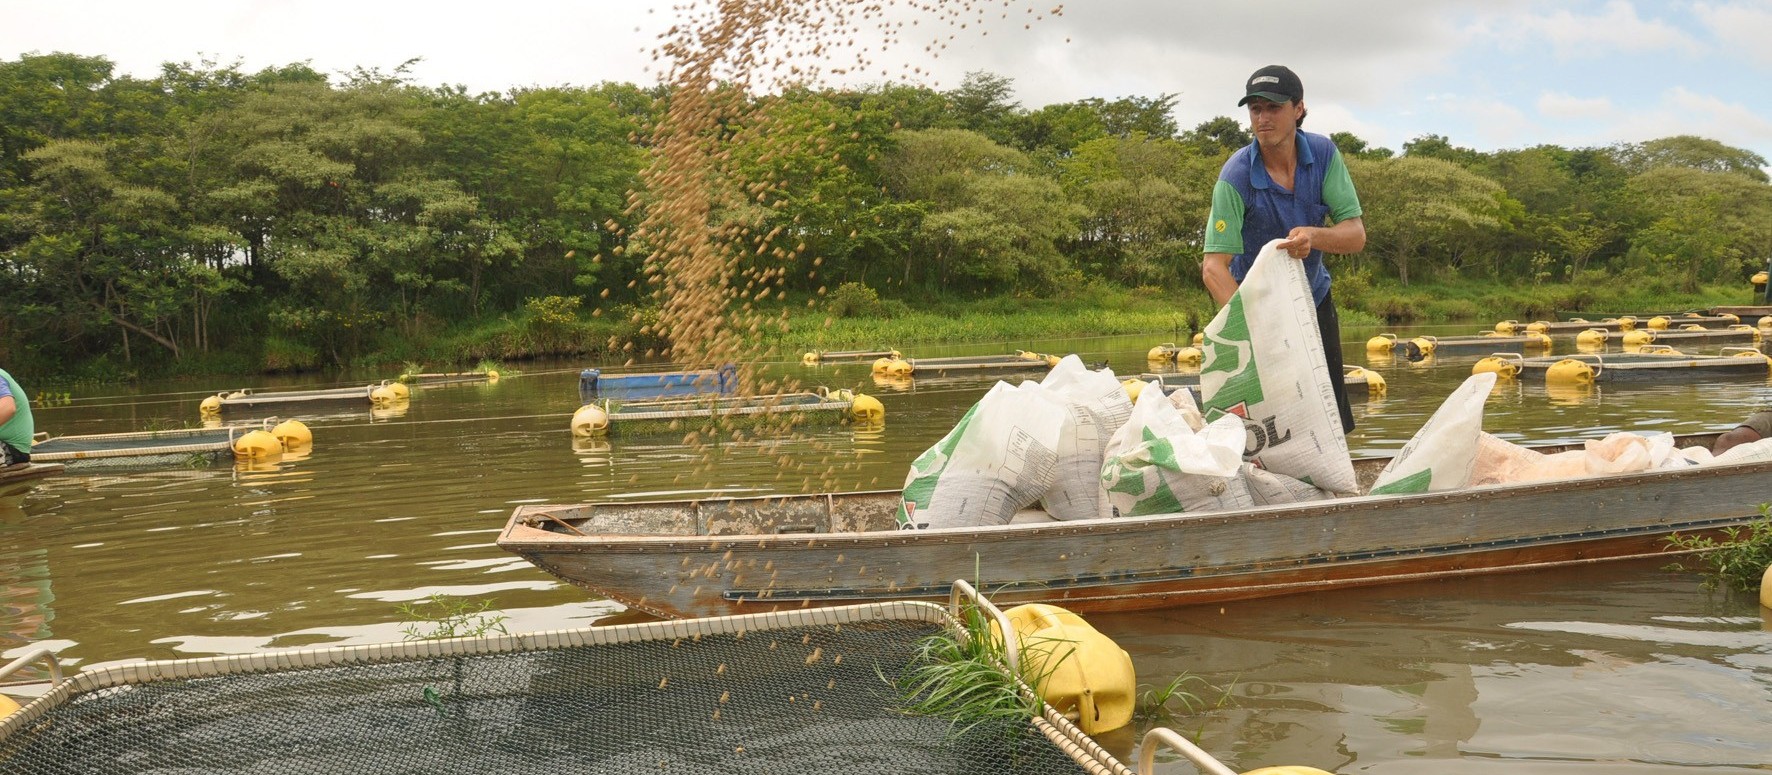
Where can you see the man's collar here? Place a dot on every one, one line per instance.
(1258, 176)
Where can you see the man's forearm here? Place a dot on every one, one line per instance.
(1343, 238)
(1215, 271)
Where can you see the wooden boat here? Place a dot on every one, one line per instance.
(730, 555)
(657, 384)
(1640, 366)
(145, 448)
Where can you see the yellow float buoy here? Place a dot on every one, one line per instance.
(1593, 336)
(1052, 361)
(1200, 339)
(1570, 371)
(809, 359)
(292, 434)
(1657, 323)
(1730, 317)
(1539, 340)
(900, 367)
(1691, 327)
(1133, 388)
(1029, 355)
(1383, 343)
(257, 445)
(1747, 329)
(589, 421)
(210, 405)
(1161, 353)
(1538, 327)
(1375, 384)
(1627, 323)
(1084, 672)
(1189, 355)
(1507, 327)
(492, 375)
(1759, 278)
(1765, 323)
(400, 390)
(882, 364)
(382, 395)
(867, 409)
(1635, 339)
(1766, 588)
(1425, 345)
(1501, 367)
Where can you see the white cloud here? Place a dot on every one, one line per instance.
(1555, 105)
(1742, 29)
(1616, 28)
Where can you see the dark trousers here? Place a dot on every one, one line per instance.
(1330, 326)
(10, 455)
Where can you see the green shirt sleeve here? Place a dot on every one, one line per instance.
(1338, 191)
(1224, 227)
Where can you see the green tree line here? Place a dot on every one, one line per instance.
(211, 218)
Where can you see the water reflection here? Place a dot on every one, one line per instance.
(1571, 393)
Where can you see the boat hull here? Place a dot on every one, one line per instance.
(742, 563)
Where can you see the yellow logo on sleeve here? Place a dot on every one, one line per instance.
(1219, 226)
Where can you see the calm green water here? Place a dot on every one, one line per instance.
(1621, 668)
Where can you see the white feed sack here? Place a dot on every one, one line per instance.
(1499, 461)
(1156, 464)
(1095, 405)
(1264, 363)
(1000, 458)
(1441, 455)
(1267, 488)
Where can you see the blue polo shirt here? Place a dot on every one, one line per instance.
(1249, 210)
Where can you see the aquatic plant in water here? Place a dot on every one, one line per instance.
(1738, 561)
(442, 616)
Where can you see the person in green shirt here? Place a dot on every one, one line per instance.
(16, 426)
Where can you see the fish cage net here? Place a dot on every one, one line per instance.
(812, 698)
(188, 448)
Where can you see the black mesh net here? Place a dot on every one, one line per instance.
(800, 700)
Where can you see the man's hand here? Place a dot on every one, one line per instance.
(1298, 242)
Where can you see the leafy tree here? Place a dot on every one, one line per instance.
(1431, 146)
(1145, 201)
(1218, 137)
(990, 218)
(1352, 145)
(1418, 206)
(1704, 225)
(1697, 153)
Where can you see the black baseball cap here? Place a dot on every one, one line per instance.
(1274, 83)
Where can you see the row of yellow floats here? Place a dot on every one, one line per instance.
(261, 445)
(1574, 371)
(1168, 352)
(1625, 323)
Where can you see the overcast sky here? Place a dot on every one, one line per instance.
(1488, 74)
